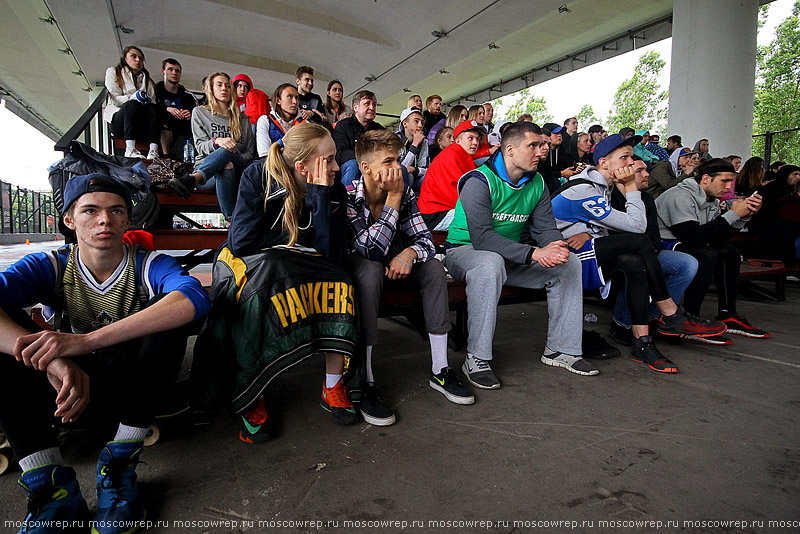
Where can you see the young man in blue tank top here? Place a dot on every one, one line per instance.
(122, 350)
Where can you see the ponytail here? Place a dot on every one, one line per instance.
(299, 143)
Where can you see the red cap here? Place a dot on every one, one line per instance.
(468, 126)
(242, 77)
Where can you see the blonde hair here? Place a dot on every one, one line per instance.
(299, 143)
(454, 117)
(216, 106)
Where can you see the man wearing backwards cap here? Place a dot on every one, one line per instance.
(690, 220)
(123, 349)
(584, 215)
(438, 195)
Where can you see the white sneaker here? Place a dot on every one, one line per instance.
(133, 153)
(152, 154)
(575, 364)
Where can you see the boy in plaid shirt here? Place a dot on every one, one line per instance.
(390, 240)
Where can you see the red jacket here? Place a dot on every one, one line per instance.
(256, 104)
(439, 188)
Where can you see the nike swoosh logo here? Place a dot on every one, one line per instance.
(441, 382)
(251, 428)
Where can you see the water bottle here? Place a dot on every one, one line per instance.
(188, 152)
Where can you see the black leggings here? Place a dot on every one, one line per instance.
(127, 382)
(136, 121)
(720, 262)
(633, 255)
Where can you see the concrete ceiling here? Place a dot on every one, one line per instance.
(267, 39)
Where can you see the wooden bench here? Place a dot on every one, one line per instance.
(201, 243)
(774, 271)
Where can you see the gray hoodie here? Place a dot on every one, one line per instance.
(587, 208)
(688, 202)
(206, 125)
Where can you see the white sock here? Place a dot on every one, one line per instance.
(438, 352)
(370, 376)
(330, 380)
(51, 456)
(130, 433)
(154, 146)
(130, 144)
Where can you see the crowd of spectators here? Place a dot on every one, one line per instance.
(327, 209)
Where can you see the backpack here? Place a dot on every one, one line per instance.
(81, 159)
(58, 303)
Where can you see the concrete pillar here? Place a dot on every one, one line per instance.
(712, 81)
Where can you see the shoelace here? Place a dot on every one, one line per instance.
(481, 365)
(338, 397)
(115, 468)
(257, 415)
(696, 319)
(38, 499)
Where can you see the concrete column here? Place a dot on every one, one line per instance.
(712, 81)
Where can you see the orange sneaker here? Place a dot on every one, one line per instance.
(254, 424)
(335, 401)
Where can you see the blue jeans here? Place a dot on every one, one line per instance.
(226, 183)
(679, 269)
(349, 171)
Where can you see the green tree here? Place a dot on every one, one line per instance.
(639, 102)
(528, 103)
(586, 118)
(777, 102)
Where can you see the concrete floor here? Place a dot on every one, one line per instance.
(719, 441)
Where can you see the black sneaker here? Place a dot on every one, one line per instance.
(737, 324)
(645, 351)
(684, 324)
(480, 374)
(620, 334)
(374, 409)
(595, 347)
(448, 384)
(183, 185)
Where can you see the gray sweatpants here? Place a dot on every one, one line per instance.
(486, 272)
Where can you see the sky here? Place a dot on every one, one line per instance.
(26, 153)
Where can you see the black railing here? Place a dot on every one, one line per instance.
(788, 152)
(100, 140)
(23, 211)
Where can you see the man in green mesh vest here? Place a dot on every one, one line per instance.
(497, 203)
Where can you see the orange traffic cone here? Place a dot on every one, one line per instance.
(27, 241)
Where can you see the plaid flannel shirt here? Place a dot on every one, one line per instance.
(373, 240)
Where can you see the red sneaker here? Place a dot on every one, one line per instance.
(737, 324)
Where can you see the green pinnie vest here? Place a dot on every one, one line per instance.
(511, 206)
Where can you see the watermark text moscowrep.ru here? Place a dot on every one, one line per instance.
(201, 525)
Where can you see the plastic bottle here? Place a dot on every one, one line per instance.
(188, 151)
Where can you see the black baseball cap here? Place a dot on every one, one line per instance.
(77, 186)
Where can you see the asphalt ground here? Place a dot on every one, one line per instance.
(713, 448)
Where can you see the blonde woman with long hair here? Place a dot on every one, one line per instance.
(224, 145)
(289, 232)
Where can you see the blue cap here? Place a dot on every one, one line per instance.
(611, 143)
(77, 186)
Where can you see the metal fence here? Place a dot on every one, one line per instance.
(782, 145)
(23, 211)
